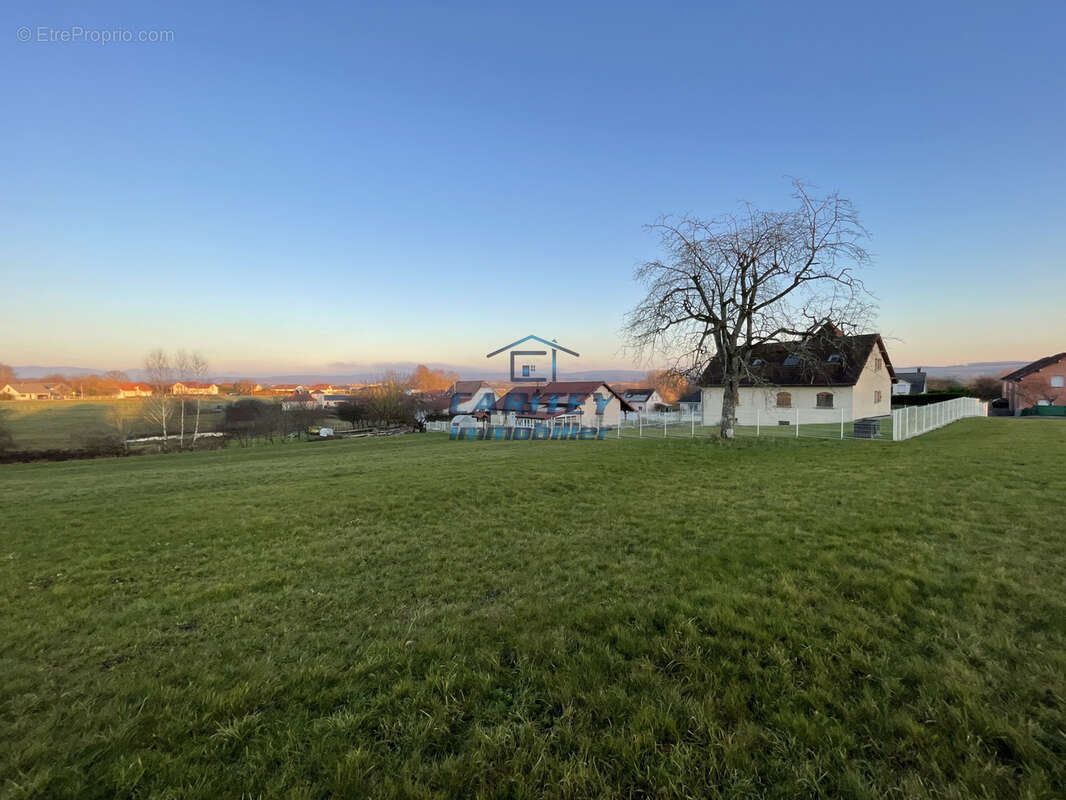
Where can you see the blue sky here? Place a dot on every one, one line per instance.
(288, 188)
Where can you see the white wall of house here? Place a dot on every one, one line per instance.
(468, 406)
(761, 403)
(649, 405)
(873, 390)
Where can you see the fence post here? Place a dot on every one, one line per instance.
(797, 423)
(640, 426)
(756, 422)
(693, 426)
(842, 423)
(664, 424)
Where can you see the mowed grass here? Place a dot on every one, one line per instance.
(414, 617)
(64, 424)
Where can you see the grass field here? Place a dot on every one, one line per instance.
(414, 617)
(62, 424)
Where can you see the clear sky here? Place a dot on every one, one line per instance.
(291, 187)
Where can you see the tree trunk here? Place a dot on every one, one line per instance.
(196, 429)
(163, 417)
(181, 433)
(730, 387)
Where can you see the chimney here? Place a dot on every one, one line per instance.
(919, 370)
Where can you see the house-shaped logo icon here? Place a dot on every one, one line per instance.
(526, 373)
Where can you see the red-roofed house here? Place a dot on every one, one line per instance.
(1042, 383)
(126, 389)
(592, 404)
(193, 387)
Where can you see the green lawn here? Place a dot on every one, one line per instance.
(63, 424)
(414, 617)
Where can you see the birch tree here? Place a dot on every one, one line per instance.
(727, 285)
(160, 376)
(197, 367)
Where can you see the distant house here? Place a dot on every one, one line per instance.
(824, 377)
(127, 389)
(286, 388)
(910, 382)
(1042, 383)
(299, 400)
(469, 395)
(194, 388)
(692, 403)
(36, 390)
(643, 400)
(591, 404)
(331, 400)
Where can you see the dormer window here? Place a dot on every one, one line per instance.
(834, 358)
(757, 362)
(792, 361)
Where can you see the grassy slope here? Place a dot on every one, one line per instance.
(418, 617)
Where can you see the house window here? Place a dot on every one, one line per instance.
(825, 400)
(792, 361)
(757, 362)
(878, 363)
(784, 400)
(1056, 381)
(877, 395)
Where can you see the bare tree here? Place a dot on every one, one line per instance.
(181, 370)
(987, 387)
(731, 284)
(123, 417)
(7, 374)
(160, 375)
(7, 440)
(196, 366)
(116, 376)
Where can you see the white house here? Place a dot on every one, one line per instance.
(34, 390)
(591, 404)
(194, 387)
(826, 377)
(469, 395)
(643, 400)
(691, 403)
(910, 382)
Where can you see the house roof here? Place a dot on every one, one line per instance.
(552, 344)
(813, 367)
(561, 388)
(1036, 366)
(916, 380)
(468, 387)
(128, 386)
(195, 384)
(30, 387)
(638, 395)
(695, 396)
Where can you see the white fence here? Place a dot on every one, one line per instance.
(794, 423)
(778, 423)
(915, 420)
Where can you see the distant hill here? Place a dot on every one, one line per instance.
(967, 372)
(363, 374)
(33, 371)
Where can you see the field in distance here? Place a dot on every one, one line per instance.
(415, 617)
